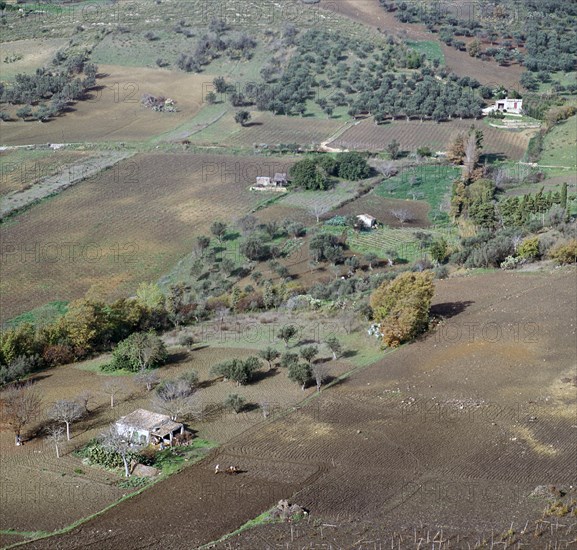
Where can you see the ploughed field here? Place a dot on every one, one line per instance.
(367, 136)
(124, 226)
(461, 425)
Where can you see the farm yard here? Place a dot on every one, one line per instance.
(404, 419)
(128, 225)
(80, 490)
(367, 136)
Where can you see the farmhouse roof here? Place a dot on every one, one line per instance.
(367, 217)
(280, 176)
(154, 423)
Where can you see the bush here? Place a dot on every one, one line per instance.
(441, 272)
(96, 453)
(565, 253)
(18, 368)
(401, 307)
(529, 248)
(235, 402)
(139, 351)
(352, 166)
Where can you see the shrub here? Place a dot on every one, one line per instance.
(402, 306)
(529, 248)
(139, 351)
(235, 402)
(565, 253)
(58, 354)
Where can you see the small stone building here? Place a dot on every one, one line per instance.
(366, 221)
(144, 426)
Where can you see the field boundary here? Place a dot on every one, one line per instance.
(16, 201)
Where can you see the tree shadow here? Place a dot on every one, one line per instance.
(450, 309)
(306, 342)
(491, 158)
(231, 236)
(350, 353)
(264, 374)
(251, 124)
(207, 383)
(177, 357)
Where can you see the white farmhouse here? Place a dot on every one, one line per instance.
(513, 106)
(142, 426)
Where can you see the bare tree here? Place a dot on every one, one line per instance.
(66, 412)
(320, 373)
(386, 168)
(56, 436)
(147, 378)
(175, 398)
(318, 210)
(516, 240)
(20, 406)
(115, 441)
(84, 399)
(113, 388)
(402, 214)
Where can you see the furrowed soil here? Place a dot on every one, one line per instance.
(123, 226)
(463, 424)
(367, 136)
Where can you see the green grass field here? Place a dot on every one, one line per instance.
(430, 48)
(431, 183)
(560, 146)
(41, 315)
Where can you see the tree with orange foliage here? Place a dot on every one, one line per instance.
(402, 306)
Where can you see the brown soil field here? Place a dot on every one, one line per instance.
(76, 495)
(127, 225)
(366, 135)
(380, 208)
(265, 128)
(113, 112)
(451, 433)
(34, 53)
(370, 13)
(21, 168)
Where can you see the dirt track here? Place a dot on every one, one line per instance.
(454, 428)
